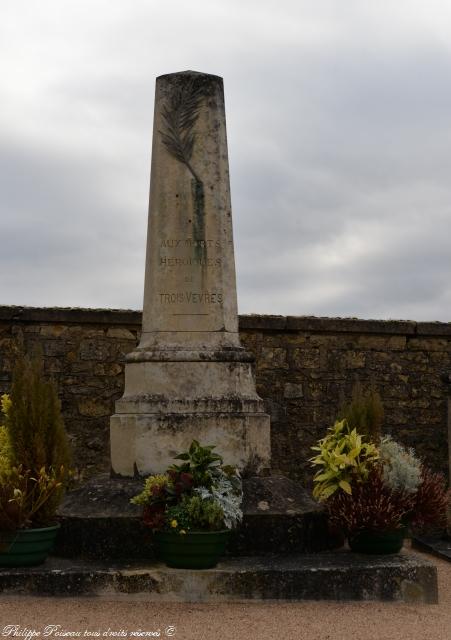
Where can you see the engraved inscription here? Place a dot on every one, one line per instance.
(191, 297)
(182, 246)
(190, 243)
(190, 262)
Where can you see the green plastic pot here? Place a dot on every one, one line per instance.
(191, 550)
(26, 547)
(378, 542)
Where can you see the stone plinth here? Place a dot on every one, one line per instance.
(403, 577)
(98, 522)
(189, 378)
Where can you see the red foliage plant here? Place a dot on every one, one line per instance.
(183, 481)
(372, 507)
(431, 502)
(153, 515)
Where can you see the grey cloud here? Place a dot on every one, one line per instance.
(61, 236)
(339, 152)
(374, 151)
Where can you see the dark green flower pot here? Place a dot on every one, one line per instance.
(192, 550)
(378, 542)
(26, 547)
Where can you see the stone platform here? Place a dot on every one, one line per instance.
(281, 552)
(343, 575)
(439, 546)
(98, 522)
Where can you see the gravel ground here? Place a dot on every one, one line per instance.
(95, 618)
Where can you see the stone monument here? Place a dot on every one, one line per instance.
(189, 378)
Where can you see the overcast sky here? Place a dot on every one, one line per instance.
(339, 131)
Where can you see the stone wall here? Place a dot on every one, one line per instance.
(304, 366)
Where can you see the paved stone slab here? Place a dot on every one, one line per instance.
(333, 576)
(440, 547)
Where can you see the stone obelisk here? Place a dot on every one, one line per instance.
(189, 377)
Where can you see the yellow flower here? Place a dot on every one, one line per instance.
(174, 523)
(182, 532)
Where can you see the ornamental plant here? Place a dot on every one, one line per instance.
(25, 498)
(200, 494)
(344, 459)
(431, 502)
(372, 506)
(34, 452)
(391, 489)
(401, 469)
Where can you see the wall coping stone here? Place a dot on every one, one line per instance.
(77, 315)
(70, 315)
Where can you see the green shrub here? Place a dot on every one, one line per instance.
(365, 412)
(5, 447)
(5, 452)
(34, 422)
(34, 451)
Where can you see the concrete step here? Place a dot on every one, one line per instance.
(326, 576)
(98, 521)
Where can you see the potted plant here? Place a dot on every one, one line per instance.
(34, 466)
(192, 507)
(375, 492)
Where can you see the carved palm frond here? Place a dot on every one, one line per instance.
(179, 116)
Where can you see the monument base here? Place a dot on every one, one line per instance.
(142, 444)
(174, 397)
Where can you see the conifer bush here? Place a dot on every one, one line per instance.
(35, 426)
(34, 450)
(365, 412)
